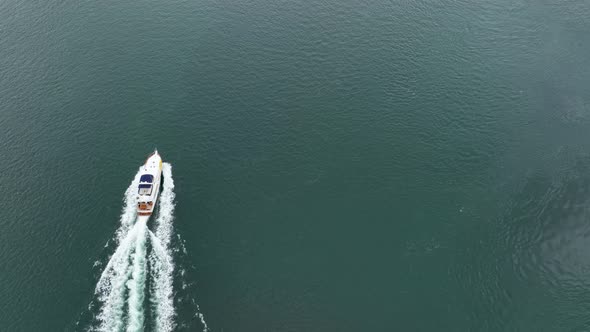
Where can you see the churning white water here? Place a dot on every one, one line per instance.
(141, 255)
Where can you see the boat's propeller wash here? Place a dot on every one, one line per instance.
(135, 289)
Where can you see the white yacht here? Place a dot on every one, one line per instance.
(149, 185)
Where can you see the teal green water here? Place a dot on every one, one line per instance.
(339, 165)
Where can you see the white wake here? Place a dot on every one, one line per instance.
(136, 284)
(110, 288)
(161, 257)
(121, 288)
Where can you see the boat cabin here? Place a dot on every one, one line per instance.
(145, 184)
(145, 189)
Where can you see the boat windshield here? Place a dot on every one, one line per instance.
(145, 189)
(147, 178)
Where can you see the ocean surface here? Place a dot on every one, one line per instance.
(330, 165)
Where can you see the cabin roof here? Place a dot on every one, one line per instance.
(147, 178)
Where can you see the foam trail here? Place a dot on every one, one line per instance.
(158, 249)
(111, 285)
(161, 256)
(136, 284)
(121, 287)
(120, 256)
(128, 215)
